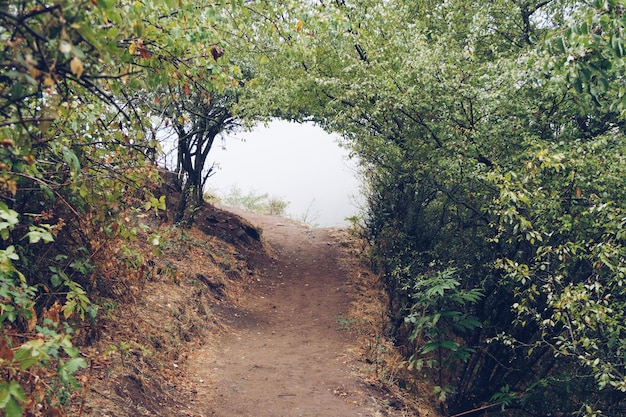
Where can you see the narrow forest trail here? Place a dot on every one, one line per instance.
(288, 354)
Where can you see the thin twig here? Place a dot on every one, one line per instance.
(484, 407)
(59, 196)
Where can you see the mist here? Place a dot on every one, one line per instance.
(297, 163)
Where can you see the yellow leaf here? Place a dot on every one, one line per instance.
(32, 322)
(124, 77)
(299, 26)
(11, 186)
(76, 65)
(34, 72)
(132, 48)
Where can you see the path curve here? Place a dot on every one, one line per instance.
(288, 354)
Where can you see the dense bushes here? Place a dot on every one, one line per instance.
(491, 136)
(535, 222)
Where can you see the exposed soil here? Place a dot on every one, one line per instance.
(251, 316)
(291, 351)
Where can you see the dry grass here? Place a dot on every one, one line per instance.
(379, 361)
(159, 310)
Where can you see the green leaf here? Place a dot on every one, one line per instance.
(450, 345)
(55, 280)
(11, 217)
(13, 408)
(71, 351)
(9, 253)
(30, 353)
(74, 364)
(584, 28)
(5, 395)
(561, 45)
(68, 308)
(38, 233)
(47, 191)
(578, 85)
(617, 46)
(430, 347)
(106, 4)
(71, 159)
(16, 391)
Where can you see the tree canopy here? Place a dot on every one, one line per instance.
(491, 136)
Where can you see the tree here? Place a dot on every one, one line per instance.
(492, 139)
(198, 120)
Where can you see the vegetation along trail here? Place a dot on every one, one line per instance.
(288, 354)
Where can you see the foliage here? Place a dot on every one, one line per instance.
(439, 310)
(492, 139)
(51, 347)
(261, 203)
(78, 161)
(590, 52)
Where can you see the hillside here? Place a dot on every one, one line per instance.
(257, 316)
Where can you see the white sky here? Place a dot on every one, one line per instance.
(300, 164)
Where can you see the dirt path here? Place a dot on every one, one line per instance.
(289, 355)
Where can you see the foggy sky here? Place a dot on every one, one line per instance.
(300, 164)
